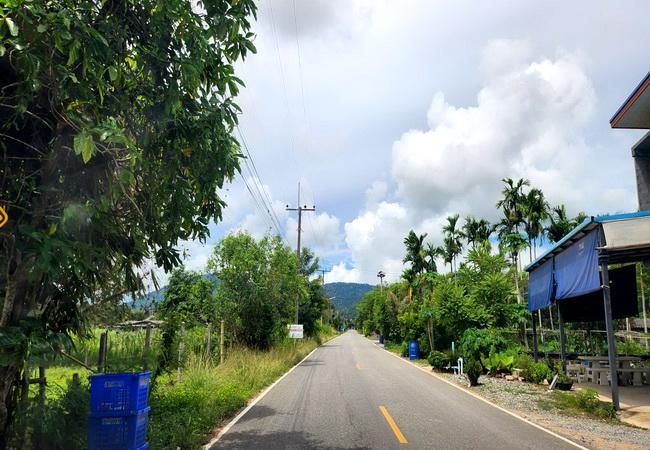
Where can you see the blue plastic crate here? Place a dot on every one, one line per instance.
(119, 393)
(118, 432)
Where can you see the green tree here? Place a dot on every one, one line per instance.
(513, 200)
(315, 303)
(535, 212)
(452, 244)
(476, 231)
(513, 244)
(560, 224)
(188, 299)
(261, 281)
(99, 99)
(415, 252)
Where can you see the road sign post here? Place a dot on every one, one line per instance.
(295, 331)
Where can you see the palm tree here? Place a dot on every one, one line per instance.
(448, 251)
(476, 231)
(415, 252)
(431, 254)
(453, 239)
(484, 231)
(535, 212)
(513, 200)
(560, 225)
(513, 244)
(470, 230)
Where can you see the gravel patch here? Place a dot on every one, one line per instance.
(528, 400)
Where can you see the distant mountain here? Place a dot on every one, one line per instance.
(347, 295)
(151, 299)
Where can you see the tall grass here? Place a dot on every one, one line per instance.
(185, 414)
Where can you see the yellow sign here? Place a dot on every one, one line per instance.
(4, 217)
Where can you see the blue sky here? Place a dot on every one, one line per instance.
(393, 115)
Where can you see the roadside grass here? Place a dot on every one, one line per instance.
(184, 415)
(581, 403)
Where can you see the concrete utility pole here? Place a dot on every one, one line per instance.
(381, 276)
(300, 210)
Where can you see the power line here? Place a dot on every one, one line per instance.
(259, 186)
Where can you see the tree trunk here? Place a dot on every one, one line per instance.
(16, 299)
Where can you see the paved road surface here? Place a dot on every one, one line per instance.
(334, 399)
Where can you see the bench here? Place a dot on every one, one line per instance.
(637, 374)
(601, 374)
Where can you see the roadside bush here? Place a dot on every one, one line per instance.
(438, 360)
(478, 343)
(424, 347)
(536, 372)
(523, 361)
(500, 362)
(473, 370)
(404, 349)
(585, 401)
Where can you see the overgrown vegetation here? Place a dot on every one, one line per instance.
(583, 402)
(99, 99)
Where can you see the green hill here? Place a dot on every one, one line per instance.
(346, 296)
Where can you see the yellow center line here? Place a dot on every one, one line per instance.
(398, 434)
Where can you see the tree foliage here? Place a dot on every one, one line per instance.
(115, 136)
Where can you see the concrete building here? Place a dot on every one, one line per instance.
(635, 114)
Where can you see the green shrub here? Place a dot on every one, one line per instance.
(523, 361)
(477, 343)
(536, 372)
(424, 347)
(438, 360)
(585, 401)
(500, 362)
(473, 370)
(404, 349)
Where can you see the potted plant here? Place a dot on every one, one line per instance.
(564, 382)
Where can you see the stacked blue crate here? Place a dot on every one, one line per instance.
(119, 411)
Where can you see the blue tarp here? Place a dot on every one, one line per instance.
(540, 286)
(576, 268)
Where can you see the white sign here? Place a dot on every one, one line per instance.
(295, 331)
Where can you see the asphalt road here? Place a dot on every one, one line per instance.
(347, 393)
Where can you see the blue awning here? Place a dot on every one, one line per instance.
(576, 268)
(540, 286)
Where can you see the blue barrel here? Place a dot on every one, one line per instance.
(414, 349)
(381, 338)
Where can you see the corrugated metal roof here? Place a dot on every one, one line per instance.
(579, 231)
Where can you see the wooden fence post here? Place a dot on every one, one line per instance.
(101, 360)
(181, 350)
(208, 345)
(221, 344)
(147, 347)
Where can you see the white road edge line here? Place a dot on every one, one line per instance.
(230, 424)
(433, 374)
